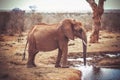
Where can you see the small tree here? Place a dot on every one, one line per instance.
(98, 10)
(33, 8)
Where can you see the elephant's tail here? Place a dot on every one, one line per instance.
(24, 51)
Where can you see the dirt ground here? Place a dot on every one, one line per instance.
(13, 68)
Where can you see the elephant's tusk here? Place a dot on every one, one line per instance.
(84, 43)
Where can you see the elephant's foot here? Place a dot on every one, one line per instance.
(65, 66)
(57, 66)
(31, 65)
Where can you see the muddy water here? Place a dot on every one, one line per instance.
(93, 73)
(90, 72)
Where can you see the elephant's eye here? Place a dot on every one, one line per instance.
(80, 30)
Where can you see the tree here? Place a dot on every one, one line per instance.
(15, 23)
(98, 10)
(33, 8)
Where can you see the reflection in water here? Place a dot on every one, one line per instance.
(93, 73)
(96, 73)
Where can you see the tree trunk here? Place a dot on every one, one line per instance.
(97, 13)
(94, 37)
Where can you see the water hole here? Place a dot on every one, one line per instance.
(91, 72)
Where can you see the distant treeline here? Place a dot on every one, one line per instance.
(17, 21)
(12, 22)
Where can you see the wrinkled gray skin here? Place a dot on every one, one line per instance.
(50, 37)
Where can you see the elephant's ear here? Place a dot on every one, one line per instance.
(67, 26)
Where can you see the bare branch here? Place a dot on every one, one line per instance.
(101, 7)
(92, 4)
(101, 3)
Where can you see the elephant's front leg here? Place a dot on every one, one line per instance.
(64, 53)
(58, 58)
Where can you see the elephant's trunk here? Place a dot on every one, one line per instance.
(84, 41)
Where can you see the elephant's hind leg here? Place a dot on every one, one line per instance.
(31, 58)
(32, 52)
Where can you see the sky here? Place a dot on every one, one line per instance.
(55, 5)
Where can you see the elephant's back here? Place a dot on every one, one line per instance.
(45, 28)
(46, 37)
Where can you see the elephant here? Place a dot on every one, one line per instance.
(56, 36)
